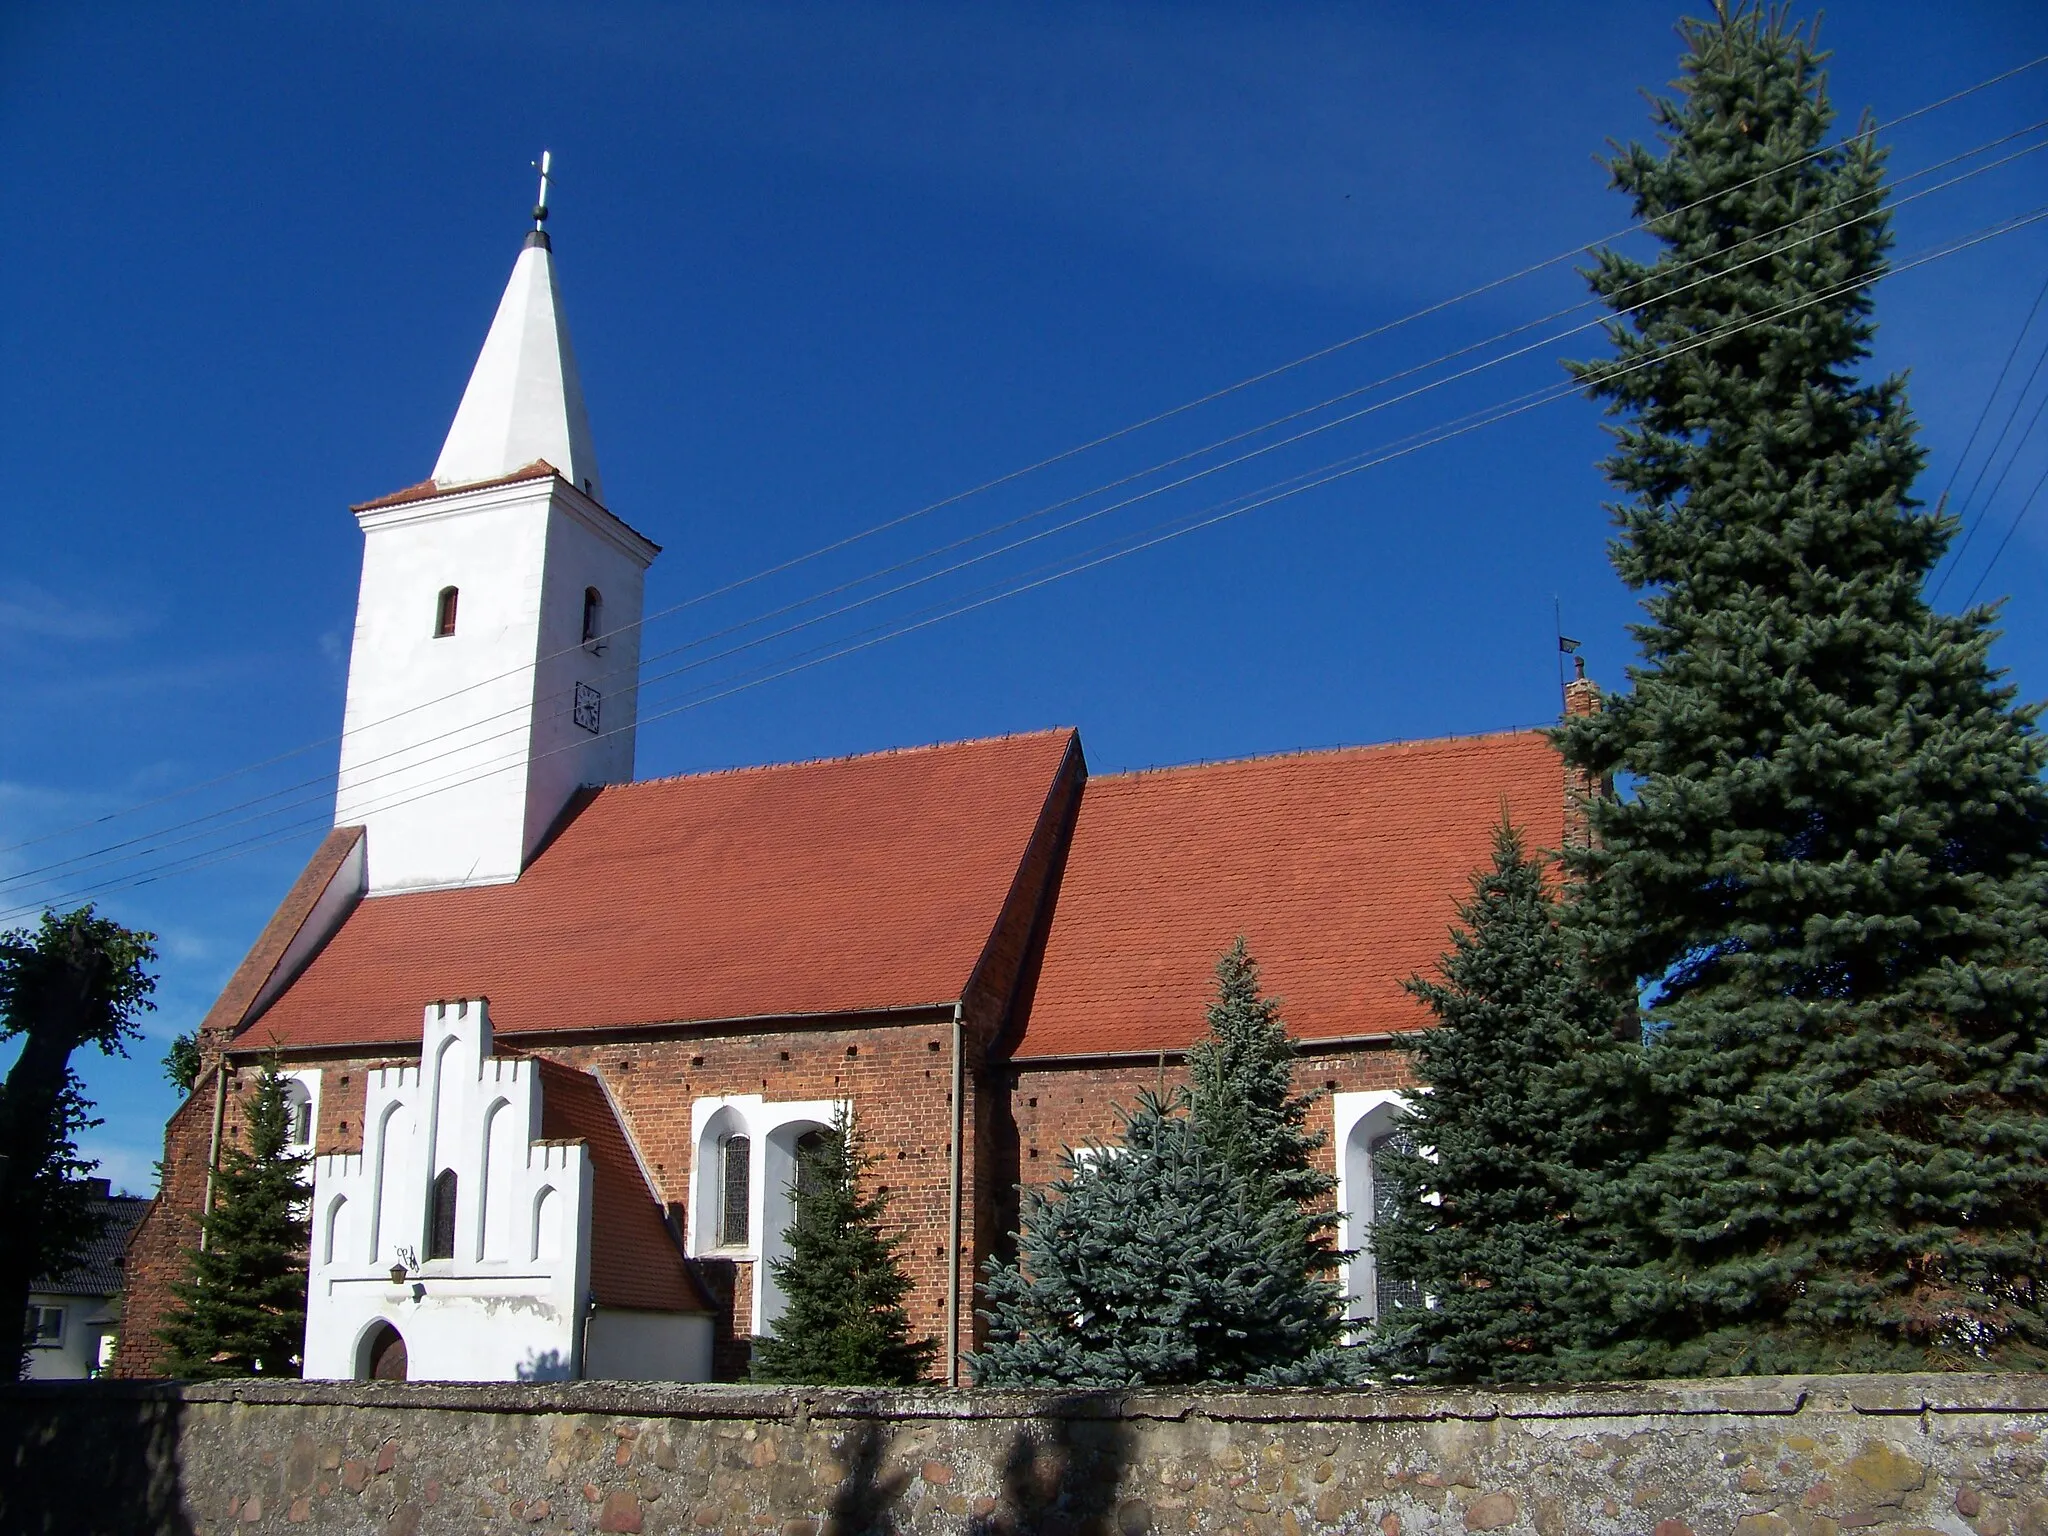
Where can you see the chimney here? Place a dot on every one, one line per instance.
(1581, 699)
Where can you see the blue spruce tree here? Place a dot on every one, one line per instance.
(1828, 878)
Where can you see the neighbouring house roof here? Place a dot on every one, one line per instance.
(1341, 869)
(836, 887)
(634, 1261)
(98, 1272)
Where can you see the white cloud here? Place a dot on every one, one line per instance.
(33, 611)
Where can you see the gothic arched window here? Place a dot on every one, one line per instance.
(1389, 1294)
(444, 613)
(441, 1245)
(812, 1172)
(736, 1175)
(593, 616)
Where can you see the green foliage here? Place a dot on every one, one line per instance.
(1828, 877)
(181, 1062)
(1241, 1076)
(74, 980)
(243, 1312)
(844, 1325)
(1155, 1262)
(1524, 1071)
(78, 976)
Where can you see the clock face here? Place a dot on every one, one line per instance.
(587, 701)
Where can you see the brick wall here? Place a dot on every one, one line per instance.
(1069, 1104)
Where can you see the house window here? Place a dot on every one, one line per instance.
(444, 613)
(298, 1113)
(45, 1327)
(1389, 1294)
(593, 618)
(736, 1187)
(442, 1244)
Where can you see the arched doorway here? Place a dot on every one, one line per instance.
(384, 1354)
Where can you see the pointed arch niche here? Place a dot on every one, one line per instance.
(1365, 1125)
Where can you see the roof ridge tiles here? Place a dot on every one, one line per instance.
(1394, 744)
(845, 757)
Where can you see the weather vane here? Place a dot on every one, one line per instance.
(540, 209)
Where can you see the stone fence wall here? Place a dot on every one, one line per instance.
(1821, 1456)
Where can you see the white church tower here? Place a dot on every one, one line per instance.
(497, 641)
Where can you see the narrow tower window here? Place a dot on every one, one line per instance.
(442, 1244)
(736, 1175)
(444, 614)
(593, 618)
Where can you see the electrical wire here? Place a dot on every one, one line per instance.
(1512, 408)
(1865, 132)
(84, 862)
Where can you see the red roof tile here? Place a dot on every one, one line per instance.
(1340, 868)
(633, 1260)
(856, 884)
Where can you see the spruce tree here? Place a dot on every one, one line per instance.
(1521, 1065)
(1155, 1262)
(1241, 1077)
(1827, 877)
(243, 1311)
(844, 1323)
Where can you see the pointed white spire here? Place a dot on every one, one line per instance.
(524, 401)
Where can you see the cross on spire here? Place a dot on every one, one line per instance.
(540, 208)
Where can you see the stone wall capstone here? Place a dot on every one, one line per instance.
(1958, 1455)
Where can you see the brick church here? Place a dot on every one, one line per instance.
(555, 1036)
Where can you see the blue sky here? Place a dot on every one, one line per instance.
(826, 265)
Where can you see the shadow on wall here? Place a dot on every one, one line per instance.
(1063, 1472)
(863, 1501)
(1061, 1477)
(546, 1366)
(70, 1465)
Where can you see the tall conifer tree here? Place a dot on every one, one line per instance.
(1241, 1076)
(1524, 1076)
(1828, 877)
(844, 1323)
(243, 1312)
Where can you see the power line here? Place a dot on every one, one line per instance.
(1011, 476)
(1238, 507)
(111, 855)
(2025, 507)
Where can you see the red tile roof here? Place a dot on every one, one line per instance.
(633, 1260)
(856, 884)
(1340, 868)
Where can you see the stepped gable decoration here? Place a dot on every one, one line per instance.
(1341, 868)
(844, 886)
(497, 1224)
